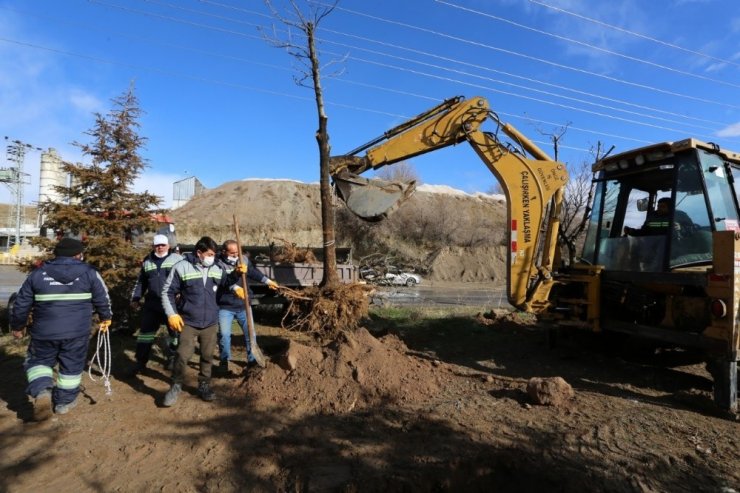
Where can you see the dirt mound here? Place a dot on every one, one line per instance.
(447, 236)
(267, 210)
(354, 372)
(472, 264)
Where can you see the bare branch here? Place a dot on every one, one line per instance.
(310, 75)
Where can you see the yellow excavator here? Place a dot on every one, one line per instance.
(661, 257)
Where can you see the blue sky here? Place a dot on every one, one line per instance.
(221, 104)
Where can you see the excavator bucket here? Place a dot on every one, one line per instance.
(372, 199)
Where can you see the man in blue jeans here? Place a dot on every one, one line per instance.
(231, 307)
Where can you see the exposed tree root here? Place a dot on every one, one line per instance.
(326, 312)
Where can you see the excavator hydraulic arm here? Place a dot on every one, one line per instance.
(532, 182)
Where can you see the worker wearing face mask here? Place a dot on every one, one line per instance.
(232, 307)
(196, 279)
(154, 271)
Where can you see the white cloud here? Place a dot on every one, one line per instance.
(715, 67)
(730, 131)
(159, 184)
(85, 102)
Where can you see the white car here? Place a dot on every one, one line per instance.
(398, 278)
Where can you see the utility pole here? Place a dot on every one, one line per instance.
(14, 178)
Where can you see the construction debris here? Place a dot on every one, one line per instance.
(290, 253)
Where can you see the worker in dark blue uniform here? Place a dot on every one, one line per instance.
(189, 300)
(154, 271)
(61, 296)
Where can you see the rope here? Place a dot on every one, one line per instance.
(104, 362)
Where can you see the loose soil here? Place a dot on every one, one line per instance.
(412, 401)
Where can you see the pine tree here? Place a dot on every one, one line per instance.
(100, 206)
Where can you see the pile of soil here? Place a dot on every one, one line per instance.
(394, 408)
(354, 372)
(459, 236)
(472, 264)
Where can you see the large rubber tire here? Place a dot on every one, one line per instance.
(410, 282)
(725, 375)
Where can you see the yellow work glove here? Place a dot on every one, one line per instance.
(239, 292)
(241, 268)
(104, 325)
(272, 284)
(175, 322)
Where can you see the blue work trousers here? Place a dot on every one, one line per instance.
(225, 321)
(151, 319)
(41, 359)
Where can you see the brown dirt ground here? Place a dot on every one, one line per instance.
(438, 406)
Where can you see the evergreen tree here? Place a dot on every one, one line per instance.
(100, 207)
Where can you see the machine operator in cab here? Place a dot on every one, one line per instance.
(658, 221)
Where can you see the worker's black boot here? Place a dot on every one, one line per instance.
(205, 392)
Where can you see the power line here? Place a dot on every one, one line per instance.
(240, 86)
(684, 117)
(671, 93)
(244, 60)
(169, 73)
(591, 46)
(403, 69)
(509, 74)
(561, 96)
(418, 62)
(595, 113)
(636, 34)
(540, 60)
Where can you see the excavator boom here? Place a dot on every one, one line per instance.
(532, 182)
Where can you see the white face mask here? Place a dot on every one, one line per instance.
(232, 260)
(160, 255)
(207, 261)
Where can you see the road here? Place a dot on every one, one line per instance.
(444, 294)
(10, 280)
(428, 293)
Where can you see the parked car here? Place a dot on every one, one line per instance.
(391, 277)
(400, 278)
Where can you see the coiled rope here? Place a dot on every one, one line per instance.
(104, 362)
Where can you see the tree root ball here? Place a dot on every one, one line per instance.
(327, 311)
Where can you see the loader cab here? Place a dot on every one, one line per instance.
(694, 181)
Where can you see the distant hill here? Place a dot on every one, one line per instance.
(443, 233)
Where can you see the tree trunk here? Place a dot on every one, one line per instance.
(331, 277)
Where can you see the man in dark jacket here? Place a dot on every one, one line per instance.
(196, 279)
(155, 269)
(232, 307)
(658, 221)
(61, 294)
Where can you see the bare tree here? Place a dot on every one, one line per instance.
(403, 172)
(576, 210)
(555, 137)
(306, 19)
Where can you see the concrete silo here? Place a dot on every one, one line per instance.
(51, 176)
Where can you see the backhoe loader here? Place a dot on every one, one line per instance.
(668, 272)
